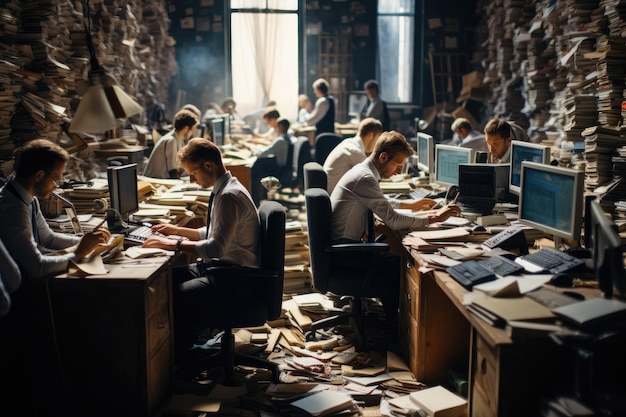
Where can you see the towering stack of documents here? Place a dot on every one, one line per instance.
(601, 144)
(87, 198)
(297, 261)
(611, 53)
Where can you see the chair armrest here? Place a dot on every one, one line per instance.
(358, 247)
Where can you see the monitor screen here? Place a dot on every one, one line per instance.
(123, 189)
(356, 101)
(448, 158)
(425, 152)
(525, 151)
(606, 252)
(218, 129)
(484, 181)
(551, 199)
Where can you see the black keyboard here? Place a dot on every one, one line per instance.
(501, 265)
(550, 298)
(470, 273)
(482, 206)
(553, 260)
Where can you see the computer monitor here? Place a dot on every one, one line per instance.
(447, 161)
(484, 181)
(123, 192)
(425, 153)
(218, 128)
(551, 199)
(356, 101)
(525, 151)
(606, 253)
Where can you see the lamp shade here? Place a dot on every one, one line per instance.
(103, 102)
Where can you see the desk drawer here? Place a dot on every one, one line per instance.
(486, 372)
(158, 329)
(157, 293)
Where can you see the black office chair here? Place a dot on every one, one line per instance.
(330, 272)
(324, 144)
(302, 152)
(314, 176)
(250, 311)
(261, 168)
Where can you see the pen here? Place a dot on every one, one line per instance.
(456, 197)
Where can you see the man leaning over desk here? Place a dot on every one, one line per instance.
(39, 167)
(232, 237)
(358, 192)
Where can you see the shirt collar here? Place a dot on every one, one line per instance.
(370, 164)
(221, 181)
(21, 191)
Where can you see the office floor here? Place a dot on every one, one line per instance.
(250, 399)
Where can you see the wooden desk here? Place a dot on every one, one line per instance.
(115, 340)
(437, 331)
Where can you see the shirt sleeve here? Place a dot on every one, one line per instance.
(223, 228)
(319, 111)
(171, 155)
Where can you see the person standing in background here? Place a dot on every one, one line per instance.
(323, 114)
(375, 107)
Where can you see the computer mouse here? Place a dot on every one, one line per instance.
(562, 279)
(479, 228)
(574, 294)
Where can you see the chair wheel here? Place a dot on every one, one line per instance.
(310, 336)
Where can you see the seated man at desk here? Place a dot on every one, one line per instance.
(231, 236)
(469, 138)
(498, 138)
(162, 162)
(270, 117)
(352, 151)
(39, 167)
(357, 194)
(280, 146)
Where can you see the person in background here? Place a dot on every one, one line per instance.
(156, 116)
(162, 162)
(469, 138)
(254, 119)
(194, 109)
(39, 167)
(232, 237)
(352, 151)
(10, 279)
(229, 106)
(306, 107)
(375, 107)
(323, 114)
(498, 139)
(270, 118)
(280, 146)
(358, 192)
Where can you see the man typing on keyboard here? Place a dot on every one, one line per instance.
(357, 194)
(231, 237)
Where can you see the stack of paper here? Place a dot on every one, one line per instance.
(323, 403)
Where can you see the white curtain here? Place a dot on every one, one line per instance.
(265, 61)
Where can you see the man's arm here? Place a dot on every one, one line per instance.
(318, 113)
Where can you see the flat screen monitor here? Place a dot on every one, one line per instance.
(525, 151)
(551, 199)
(218, 128)
(447, 161)
(606, 252)
(484, 181)
(425, 152)
(123, 189)
(356, 101)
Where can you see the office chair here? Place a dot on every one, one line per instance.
(251, 311)
(314, 176)
(262, 167)
(302, 155)
(324, 144)
(343, 279)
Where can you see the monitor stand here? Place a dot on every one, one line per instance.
(117, 225)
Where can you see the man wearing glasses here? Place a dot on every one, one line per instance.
(39, 167)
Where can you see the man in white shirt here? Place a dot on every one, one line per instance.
(358, 192)
(469, 137)
(352, 151)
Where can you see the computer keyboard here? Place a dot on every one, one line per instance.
(418, 193)
(550, 298)
(139, 235)
(501, 265)
(470, 273)
(552, 260)
(482, 206)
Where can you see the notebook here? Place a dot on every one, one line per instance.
(591, 312)
(323, 403)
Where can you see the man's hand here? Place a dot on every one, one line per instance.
(166, 229)
(159, 242)
(421, 204)
(444, 213)
(90, 240)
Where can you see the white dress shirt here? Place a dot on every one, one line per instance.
(319, 111)
(234, 232)
(344, 156)
(164, 157)
(355, 194)
(279, 148)
(17, 234)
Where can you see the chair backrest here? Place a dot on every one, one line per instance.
(302, 153)
(272, 216)
(314, 176)
(324, 144)
(286, 174)
(319, 212)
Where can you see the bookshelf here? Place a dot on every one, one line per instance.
(335, 65)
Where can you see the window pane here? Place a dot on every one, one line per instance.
(395, 58)
(262, 4)
(396, 6)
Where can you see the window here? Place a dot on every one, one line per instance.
(264, 54)
(396, 34)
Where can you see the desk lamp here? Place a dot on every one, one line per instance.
(103, 101)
